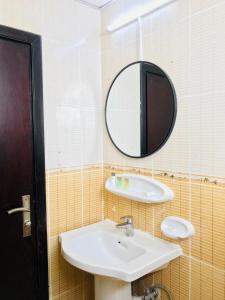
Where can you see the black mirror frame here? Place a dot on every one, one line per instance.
(175, 108)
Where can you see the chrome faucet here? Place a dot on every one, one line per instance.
(127, 225)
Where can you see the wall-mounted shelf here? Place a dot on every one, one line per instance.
(139, 188)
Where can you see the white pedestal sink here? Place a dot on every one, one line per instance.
(115, 259)
(107, 288)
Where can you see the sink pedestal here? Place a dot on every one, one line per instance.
(107, 288)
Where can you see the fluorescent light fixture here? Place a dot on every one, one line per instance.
(138, 12)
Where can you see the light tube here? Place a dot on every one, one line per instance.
(137, 13)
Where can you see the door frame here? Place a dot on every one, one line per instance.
(34, 41)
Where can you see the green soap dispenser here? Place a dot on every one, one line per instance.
(118, 181)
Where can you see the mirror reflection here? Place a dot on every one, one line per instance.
(140, 109)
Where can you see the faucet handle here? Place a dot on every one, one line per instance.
(128, 219)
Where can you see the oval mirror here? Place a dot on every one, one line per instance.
(140, 109)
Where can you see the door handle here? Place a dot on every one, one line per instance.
(16, 210)
(25, 209)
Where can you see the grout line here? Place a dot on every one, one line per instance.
(153, 221)
(204, 10)
(210, 93)
(74, 168)
(103, 199)
(190, 241)
(189, 277)
(48, 231)
(140, 39)
(189, 153)
(204, 263)
(66, 292)
(200, 245)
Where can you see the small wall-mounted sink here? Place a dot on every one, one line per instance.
(139, 188)
(103, 250)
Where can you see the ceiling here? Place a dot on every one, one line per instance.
(96, 3)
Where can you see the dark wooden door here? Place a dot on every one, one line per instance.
(21, 268)
(160, 110)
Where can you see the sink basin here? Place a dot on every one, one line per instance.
(102, 249)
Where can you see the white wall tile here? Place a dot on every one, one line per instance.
(91, 121)
(185, 38)
(201, 51)
(71, 73)
(200, 5)
(219, 47)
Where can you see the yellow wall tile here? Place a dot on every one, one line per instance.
(184, 278)
(53, 264)
(74, 199)
(203, 204)
(218, 284)
(218, 227)
(207, 282)
(196, 219)
(53, 205)
(195, 280)
(175, 278)
(206, 223)
(77, 198)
